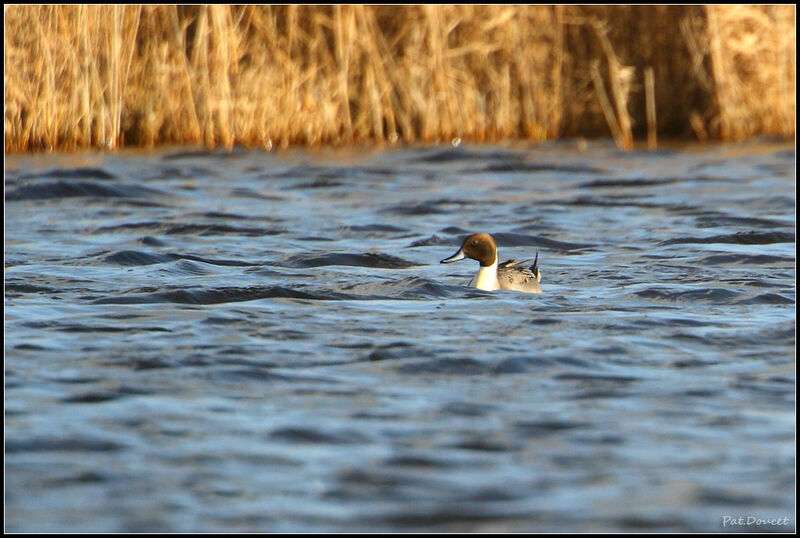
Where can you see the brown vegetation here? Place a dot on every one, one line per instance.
(111, 76)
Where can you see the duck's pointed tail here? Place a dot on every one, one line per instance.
(535, 268)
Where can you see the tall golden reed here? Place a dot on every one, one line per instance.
(112, 76)
(753, 65)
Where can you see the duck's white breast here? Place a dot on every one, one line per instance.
(486, 279)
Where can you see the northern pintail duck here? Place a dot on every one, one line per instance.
(493, 276)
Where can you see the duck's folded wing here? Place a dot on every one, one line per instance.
(513, 263)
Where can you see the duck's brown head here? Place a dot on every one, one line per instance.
(480, 247)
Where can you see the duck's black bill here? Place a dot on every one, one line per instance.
(455, 257)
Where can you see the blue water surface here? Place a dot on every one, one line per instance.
(248, 341)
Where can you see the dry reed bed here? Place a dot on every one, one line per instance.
(111, 76)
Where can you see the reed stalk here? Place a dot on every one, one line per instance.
(650, 106)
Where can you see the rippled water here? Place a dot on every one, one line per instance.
(266, 342)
